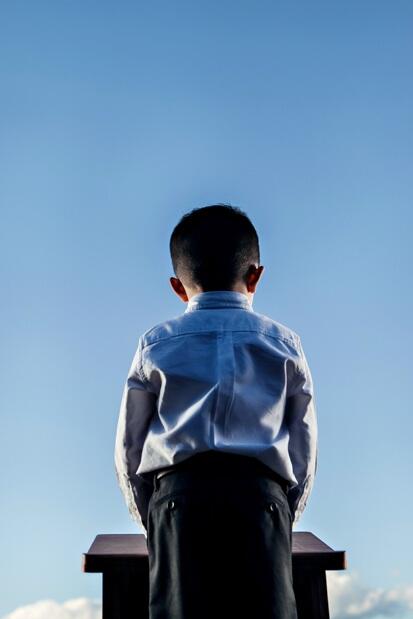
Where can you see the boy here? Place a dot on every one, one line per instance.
(216, 446)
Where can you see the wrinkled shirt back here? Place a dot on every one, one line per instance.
(222, 377)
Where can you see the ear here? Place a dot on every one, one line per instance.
(178, 288)
(253, 276)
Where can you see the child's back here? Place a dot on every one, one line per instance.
(231, 387)
(222, 374)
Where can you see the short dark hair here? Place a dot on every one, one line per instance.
(213, 246)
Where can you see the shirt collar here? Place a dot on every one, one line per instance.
(219, 298)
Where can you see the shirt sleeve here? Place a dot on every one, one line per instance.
(136, 409)
(303, 431)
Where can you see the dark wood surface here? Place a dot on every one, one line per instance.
(111, 549)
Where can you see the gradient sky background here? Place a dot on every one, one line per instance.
(116, 119)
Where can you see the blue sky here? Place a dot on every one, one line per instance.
(116, 119)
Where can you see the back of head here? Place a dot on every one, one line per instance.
(212, 247)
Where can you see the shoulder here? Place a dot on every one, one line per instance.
(279, 330)
(161, 331)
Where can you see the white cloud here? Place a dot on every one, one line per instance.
(350, 599)
(77, 608)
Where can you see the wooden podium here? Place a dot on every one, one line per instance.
(123, 562)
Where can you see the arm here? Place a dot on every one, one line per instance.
(303, 443)
(137, 407)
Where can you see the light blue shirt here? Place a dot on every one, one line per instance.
(219, 376)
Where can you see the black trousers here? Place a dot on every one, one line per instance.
(219, 534)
